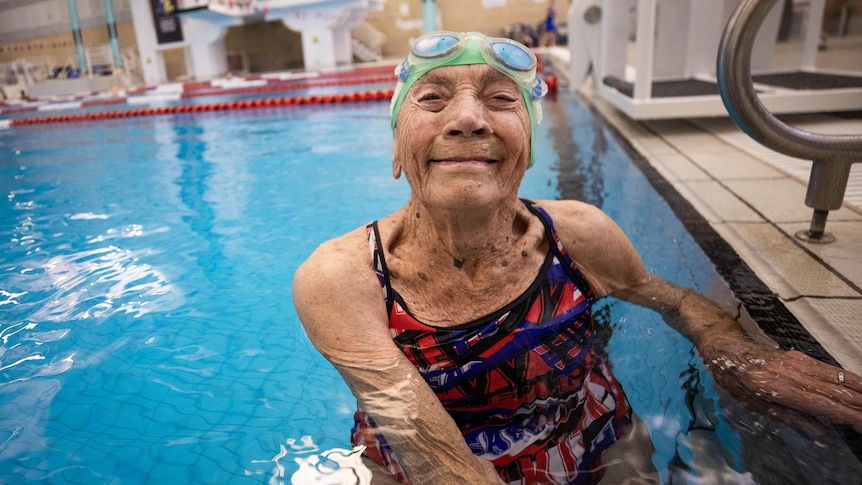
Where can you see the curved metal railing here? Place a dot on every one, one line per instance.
(832, 154)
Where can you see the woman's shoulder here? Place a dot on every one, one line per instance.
(596, 244)
(336, 283)
(581, 226)
(336, 267)
(352, 250)
(347, 249)
(338, 300)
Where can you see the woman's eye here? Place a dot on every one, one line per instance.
(502, 95)
(502, 99)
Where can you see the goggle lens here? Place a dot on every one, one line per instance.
(434, 46)
(512, 56)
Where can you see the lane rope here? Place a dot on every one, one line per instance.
(356, 97)
(240, 85)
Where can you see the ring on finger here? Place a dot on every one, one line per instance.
(841, 378)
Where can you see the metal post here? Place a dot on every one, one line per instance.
(112, 33)
(429, 16)
(76, 33)
(826, 187)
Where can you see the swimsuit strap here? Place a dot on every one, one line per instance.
(559, 250)
(379, 262)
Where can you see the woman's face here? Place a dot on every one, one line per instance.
(462, 137)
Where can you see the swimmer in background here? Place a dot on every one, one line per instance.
(549, 35)
(463, 323)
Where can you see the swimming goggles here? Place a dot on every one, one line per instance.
(444, 48)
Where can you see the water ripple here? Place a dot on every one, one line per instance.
(49, 299)
(100, 282)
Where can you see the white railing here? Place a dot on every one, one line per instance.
(28, 70)
(99, 59)
(9, 73)
(133, 74)
(367, 42)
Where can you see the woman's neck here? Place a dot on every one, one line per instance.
(455, 268)
(465, 238)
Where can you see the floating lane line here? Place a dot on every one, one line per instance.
(363, 96)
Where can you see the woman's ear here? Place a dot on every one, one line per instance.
(396, 163)
(396, 168)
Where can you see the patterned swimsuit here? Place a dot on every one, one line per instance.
(523, 384)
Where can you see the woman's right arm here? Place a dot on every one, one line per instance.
(340, 303)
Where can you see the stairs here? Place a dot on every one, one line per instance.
(367, 42)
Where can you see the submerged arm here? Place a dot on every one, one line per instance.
(788, 386)
(341, 307)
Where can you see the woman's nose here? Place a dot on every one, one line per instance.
(468, 117)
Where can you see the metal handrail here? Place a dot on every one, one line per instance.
(832, 154)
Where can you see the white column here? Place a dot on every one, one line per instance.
(325, 30)
(152, 62)
(645, 49)
(318, 48)
(585, 32)
(207, 55)
(343, 45)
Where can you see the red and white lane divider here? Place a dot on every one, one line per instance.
(363, 96)
(234, 85)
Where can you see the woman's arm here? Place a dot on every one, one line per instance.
(789, 386)
(340, 303)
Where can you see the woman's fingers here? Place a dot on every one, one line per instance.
(790, 386)
(803, 385)
(825, 372)
(790, 417)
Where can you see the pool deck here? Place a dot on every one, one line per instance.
(754, 198)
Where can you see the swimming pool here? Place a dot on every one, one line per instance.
(148, 335)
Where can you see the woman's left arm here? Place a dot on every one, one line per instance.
(787, 385)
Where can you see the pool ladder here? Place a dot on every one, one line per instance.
(832, 154)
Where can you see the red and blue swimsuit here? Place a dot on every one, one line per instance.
(524, 384)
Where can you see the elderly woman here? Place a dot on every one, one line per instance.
(462, 321)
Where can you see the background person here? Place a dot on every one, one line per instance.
(549, 33)
(462, 322)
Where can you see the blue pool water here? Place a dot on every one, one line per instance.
(147, 333)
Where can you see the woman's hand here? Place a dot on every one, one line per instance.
(788, 386)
